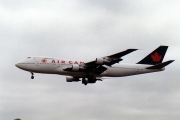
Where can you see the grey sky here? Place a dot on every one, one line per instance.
(84, 30)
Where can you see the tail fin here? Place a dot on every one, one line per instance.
(155, 57)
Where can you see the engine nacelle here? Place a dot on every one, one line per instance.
(101, 61)
(75, 67)
(71, 79)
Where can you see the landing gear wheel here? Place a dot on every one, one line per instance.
(32, 77)
(84, 81)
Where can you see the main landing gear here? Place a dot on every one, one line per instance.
(84, 81)
(32, 77)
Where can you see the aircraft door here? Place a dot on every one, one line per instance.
(36, 62)
(59, 64)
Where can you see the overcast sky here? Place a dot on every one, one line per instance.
(84, 30)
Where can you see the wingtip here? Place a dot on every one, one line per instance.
(164, 46)
(133, 49)
(171, 60)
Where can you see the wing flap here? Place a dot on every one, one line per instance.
(100, 69)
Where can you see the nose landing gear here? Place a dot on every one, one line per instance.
(32, 77)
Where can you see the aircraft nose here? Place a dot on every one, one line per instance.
(20, 65)
(17, 65)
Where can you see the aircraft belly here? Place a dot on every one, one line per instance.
(119, 72)
(45, 69)
(61, 71)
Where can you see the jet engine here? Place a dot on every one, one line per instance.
(75, 67)
(101, 61)
(72, 79)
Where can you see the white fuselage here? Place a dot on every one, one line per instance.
(57, 66)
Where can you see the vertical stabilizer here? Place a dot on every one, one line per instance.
(155, 57)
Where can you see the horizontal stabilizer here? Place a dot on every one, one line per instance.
(160, 65)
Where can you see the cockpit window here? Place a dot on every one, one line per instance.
(28, 57)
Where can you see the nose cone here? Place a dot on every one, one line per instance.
(17, 65)
(20, 65)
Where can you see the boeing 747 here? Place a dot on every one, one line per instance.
(90, 72)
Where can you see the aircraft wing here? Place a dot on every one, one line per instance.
(97, 67)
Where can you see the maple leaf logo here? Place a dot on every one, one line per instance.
(156, 57)
(43, 60)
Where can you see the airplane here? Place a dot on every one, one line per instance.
(96, 70)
